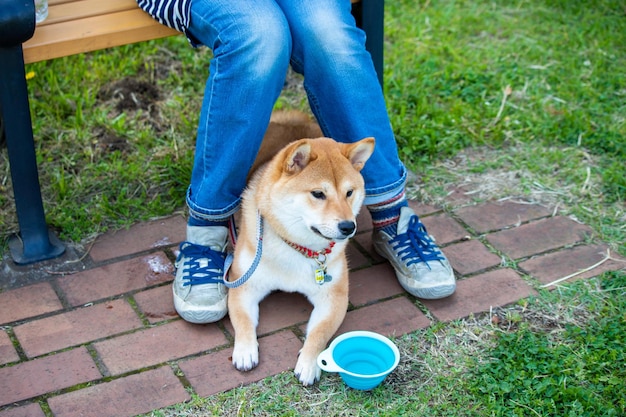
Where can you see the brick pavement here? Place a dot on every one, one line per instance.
(96, 333)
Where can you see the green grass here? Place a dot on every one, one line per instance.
(521, 99)
(101, 167)
(574, 371)
(449, 63)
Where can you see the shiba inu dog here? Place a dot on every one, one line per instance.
(298, 212)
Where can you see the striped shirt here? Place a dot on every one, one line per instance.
(173, 13)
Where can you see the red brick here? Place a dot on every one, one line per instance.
(157, 304)
(471, 256)
(29, 301)
(479, 293)
(215, 372)
(139, 238)
(279, 310)
(540, 236)
(51, 373)
(498, 215)
(158, 344)
(355, 258)
(7, 351)
(553, 266)
(76, 327)
(365, 241)
(364, 219)
(128, 396)
(210, 370)
(117, 278)
(443, 228)
(422, 209)
(372, 284)
(391, 318)
(29, 410)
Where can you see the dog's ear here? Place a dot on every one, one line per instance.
(359, 152)
(298, 157)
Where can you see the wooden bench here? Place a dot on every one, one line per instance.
(76, 26)
(72, 27)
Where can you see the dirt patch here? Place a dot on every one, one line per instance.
(133, 95)
(482, 174)
(130, 94)
(106, 141)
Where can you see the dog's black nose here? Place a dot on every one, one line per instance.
(347, 227)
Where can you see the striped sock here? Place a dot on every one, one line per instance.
(385, 215)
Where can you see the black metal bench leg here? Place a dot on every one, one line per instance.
(35, 242)
(372, 22)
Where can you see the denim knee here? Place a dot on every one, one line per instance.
(255, 43)
(325, 37)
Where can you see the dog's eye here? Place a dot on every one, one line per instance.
(319, 195)
(349, 193)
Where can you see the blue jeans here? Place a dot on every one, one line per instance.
(253, 44)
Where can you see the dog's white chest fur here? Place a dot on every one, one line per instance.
(291, 271)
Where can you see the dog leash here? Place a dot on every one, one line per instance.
(257, 258)
(321, 276)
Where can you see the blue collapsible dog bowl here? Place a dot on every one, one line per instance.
(363, 359)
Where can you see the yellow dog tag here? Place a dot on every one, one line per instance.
(321, 276)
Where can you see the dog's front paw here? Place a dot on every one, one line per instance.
(307, 371)
(245, 357)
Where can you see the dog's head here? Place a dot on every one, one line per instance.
(315, 189)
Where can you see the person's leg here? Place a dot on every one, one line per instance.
(342, 87)
(347, 100)
(251, 48)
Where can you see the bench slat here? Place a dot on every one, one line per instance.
(93, 33)
(63, 11)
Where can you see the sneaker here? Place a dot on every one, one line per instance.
(199, 292)
(421, 268)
